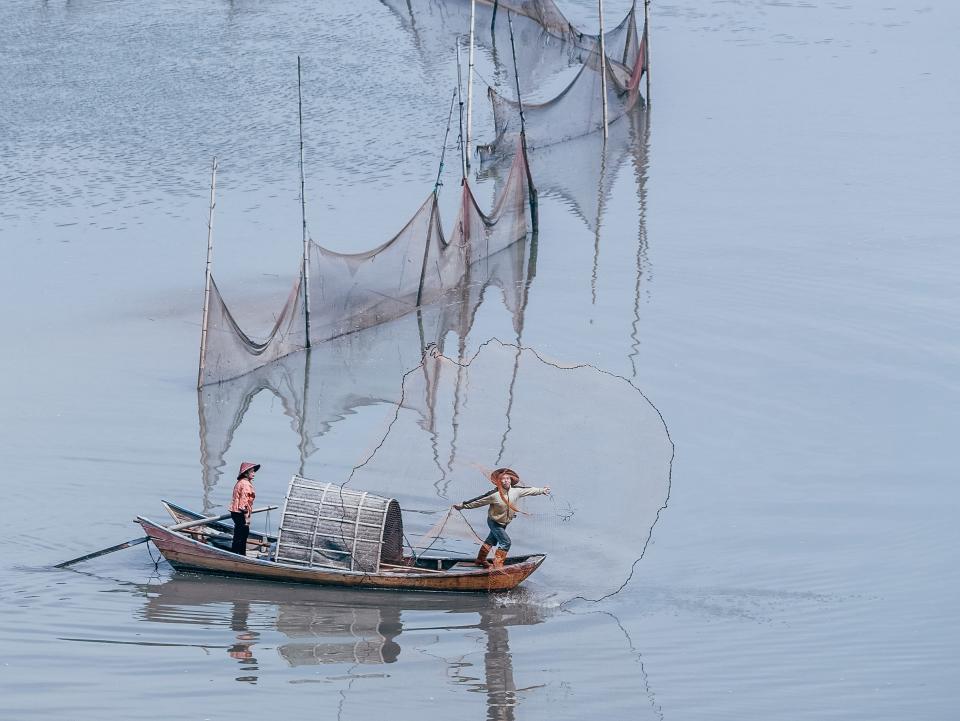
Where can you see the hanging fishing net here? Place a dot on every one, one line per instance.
(350, 292)
(575, 112)
(229, 352)
(546, 43)
(334, 380)
(592, 436)
(620, 42)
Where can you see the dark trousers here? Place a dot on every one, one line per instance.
(240, 532)
(498, 535)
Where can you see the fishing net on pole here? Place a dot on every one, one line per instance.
(594, 437)
(350, 292)
(575, 112)
(620, 42)
(546, 42)
(230, 352)
(323, 387)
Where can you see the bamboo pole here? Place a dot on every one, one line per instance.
(532, 191)
(305, 275)
(433, 209)
(473, 11)
(646, 42)
(603, 69)
(209, 277)
(463, 153)
(144, 539)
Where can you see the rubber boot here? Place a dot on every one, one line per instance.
(482, 556)
(499, 557)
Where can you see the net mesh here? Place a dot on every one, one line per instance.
(332, 381)
(619, 43)
(546, 42)
(350, 292)
(592, 436)
(598, 163)
(230, 352)
(578, 109)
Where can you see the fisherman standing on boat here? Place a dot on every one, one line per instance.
(503, 509)
(241, 507)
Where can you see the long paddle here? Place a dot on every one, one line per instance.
(144, 539)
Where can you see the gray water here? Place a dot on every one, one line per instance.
(771, 261)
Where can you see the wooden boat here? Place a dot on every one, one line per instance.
(333, 536)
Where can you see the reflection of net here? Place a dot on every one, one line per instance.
(597, 161)
(592, 436)
(349, 292)
(338, 634)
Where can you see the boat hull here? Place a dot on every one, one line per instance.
(185, 553)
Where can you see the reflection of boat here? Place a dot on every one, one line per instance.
(337, 536)
(329, 627)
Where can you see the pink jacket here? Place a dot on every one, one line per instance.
(243, 495)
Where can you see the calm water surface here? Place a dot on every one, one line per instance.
(765, 263)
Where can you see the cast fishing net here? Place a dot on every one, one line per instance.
(592, 436)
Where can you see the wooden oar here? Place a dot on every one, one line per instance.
(144, 539)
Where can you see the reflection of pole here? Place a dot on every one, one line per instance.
(206, 287)
(502, 697)
(304, 439)
(596, 233)
(209, 474)
(532, 191)
(603, 69)
(646, 42)
(640, 141)
(305, 276)
(473, 10)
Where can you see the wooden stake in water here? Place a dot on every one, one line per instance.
(305, 276)
(531, 190)
(436, 192)
(603, 69)
(206, 287)
(473, 10)
(463, 149)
